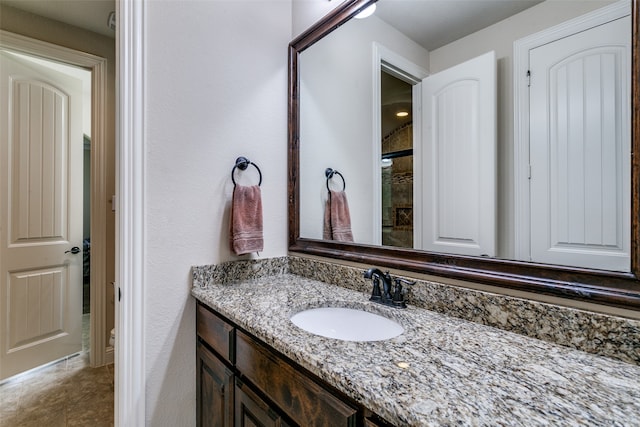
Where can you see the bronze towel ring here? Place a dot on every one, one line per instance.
(243, 163)
(328, 172)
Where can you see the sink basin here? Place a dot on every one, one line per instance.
(347, 324)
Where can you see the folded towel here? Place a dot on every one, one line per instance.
(337, 219)
(246, 220)
(326, 226)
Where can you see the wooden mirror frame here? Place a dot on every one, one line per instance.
(596, 286)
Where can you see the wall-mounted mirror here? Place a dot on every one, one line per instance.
(482, 140)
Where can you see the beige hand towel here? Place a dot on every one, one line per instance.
(246, 220)
(337, 219)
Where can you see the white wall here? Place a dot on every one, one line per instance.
(500, 37)
(336, 122)
(215, 89)
(305, 13)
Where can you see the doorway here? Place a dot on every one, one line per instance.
(397, 83)
(396, 161)
(95, 276)
(44, 119)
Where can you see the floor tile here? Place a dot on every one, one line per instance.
(67, 393)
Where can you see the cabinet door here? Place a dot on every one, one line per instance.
(252, 411)
(214, 390)
(296, 394)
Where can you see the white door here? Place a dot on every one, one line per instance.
(580, 149)
(459, 158)
(40, 215)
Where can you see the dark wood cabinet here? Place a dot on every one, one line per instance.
(216, 332)
(215, 391)
(374, 422)
(244, 382)
(252, 411)
(300, 397)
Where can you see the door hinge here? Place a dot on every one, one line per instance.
(529, 172)
(119, 294)
(528, 78)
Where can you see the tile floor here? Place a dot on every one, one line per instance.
(67, 393)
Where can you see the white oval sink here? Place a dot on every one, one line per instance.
(347, 324)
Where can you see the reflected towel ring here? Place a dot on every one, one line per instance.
(328, 172)
(243, 163)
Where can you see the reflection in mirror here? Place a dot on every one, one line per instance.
(517, 140)
(396, 160)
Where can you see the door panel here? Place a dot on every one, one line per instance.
(36, 302)
(40, 214)
(38, 146)
(579, 148)
(459, 179)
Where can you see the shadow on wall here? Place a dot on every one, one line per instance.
(175, 362)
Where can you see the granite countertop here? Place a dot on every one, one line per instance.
(459, 372)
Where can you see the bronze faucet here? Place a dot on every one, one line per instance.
(385, 297)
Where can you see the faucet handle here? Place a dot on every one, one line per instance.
(376, 295)
(398, 296)
(400, 280)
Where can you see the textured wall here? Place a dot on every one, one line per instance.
(215, 89)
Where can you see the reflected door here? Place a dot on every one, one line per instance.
(579, 149)
(41, 215)
(459, 178)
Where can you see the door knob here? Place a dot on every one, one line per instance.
(74, 250)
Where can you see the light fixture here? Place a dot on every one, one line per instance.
(385, 163)
(366, 12)
(402, 114)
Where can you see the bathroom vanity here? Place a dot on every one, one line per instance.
(243, 380)
(255, 365)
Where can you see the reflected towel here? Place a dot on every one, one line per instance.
(246, 220)
(337, 219)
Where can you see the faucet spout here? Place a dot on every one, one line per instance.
(368, 274)
(385, 277)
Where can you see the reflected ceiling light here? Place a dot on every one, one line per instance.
(367, 12)
(402, 114)
(385, 163)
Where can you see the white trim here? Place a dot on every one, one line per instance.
(521, 48)
(412, 73)
(98, 68)
(99, 210)
(130, 215)
(418, 167)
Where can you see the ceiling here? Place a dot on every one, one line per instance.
(91, 15)
(435, 23)
(430, 23)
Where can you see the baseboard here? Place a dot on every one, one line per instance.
(109, 355)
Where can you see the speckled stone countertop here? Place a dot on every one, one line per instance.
(459, 373)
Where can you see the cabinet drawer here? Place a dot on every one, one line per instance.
(298, 396)
(216, 332)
